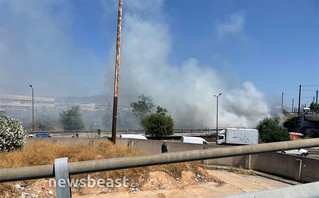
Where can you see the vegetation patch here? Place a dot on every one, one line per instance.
(12, 135)
(270, 130)
(41, 153)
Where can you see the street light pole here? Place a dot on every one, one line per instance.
(32, 107)
(217, 96)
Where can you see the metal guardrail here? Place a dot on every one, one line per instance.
(122, 131)
(43, 171)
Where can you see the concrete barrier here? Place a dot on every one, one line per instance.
(149, 146)
(294, 167)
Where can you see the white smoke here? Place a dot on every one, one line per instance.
(38, 47)
(188, 90)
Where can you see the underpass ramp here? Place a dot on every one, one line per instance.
(309, 190)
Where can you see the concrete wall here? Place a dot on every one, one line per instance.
(277, 163)
(289, 166)
(67, 140)
(154, 146)
(293, 167)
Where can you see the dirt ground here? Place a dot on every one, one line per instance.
(234, 184)
(211, 183)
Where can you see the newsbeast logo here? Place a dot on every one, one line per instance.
(90, 182)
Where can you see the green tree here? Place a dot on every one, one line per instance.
(159, 124)
(161, 110)
(142, 108)
(271, 131)
(72, 119)
(12, 135)
(314, 107)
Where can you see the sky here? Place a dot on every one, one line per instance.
(177, 50)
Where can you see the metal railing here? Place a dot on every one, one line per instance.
(43, 171)
(122, 131)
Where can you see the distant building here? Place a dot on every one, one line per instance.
(88, 107)
(83, 107)
(17, 102)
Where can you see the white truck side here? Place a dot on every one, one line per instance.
(238, 136)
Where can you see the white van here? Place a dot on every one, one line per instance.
(193, 140)
(132, 136)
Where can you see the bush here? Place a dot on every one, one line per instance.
(159, 125)
(12, 135)
(72, 119)
(271, 131)
(314, 107)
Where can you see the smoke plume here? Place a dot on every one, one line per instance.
(187, 90)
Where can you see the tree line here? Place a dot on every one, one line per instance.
(155, 121)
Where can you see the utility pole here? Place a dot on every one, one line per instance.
(317, 96)
(282, 101)
(32, 107)
(117, 73)
(217, 96)
(292, 106)
(299, 99)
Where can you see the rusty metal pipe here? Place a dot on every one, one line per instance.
(14, 174)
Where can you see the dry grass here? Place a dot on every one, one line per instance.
(41, 153)
(243, 171)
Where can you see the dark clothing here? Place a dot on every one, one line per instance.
(164, 148)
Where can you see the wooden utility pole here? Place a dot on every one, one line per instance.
(117, 73)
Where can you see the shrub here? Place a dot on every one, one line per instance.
(159, 125)
(271, 131)
(72, 119)
(12, 135)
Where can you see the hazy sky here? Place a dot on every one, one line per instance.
(68, 47)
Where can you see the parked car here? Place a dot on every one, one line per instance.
(302, 152)
(42, 135)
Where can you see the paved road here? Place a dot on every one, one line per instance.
(313, 152)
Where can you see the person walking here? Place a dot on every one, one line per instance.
(164, 147)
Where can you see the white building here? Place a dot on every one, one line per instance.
(16, 102)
